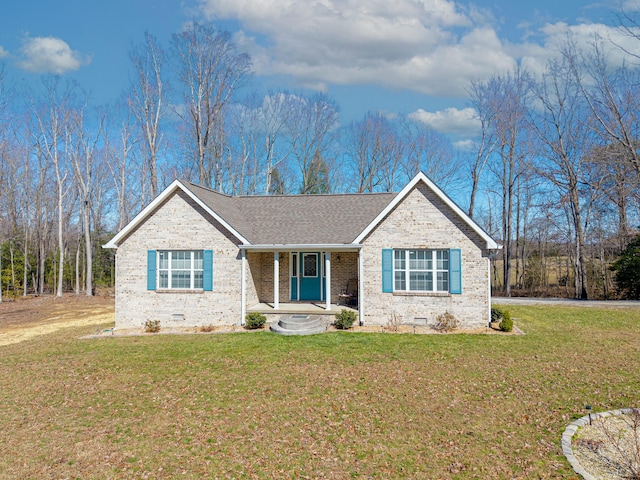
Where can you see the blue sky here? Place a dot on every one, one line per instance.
(410, 57)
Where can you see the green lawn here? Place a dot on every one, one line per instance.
(336, 405)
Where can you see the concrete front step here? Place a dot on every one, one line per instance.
(300, 322)
(299, 325)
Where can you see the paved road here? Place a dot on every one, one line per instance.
(565, 301)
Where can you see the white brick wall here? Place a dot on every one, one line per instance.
(420, 221)
(179, 224)
(423, 221)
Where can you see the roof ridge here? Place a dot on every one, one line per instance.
(261, 195)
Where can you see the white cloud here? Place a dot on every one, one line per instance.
(429, 46)
(50, 55)
(3, 52)
(611, 39)
(452, 121)
(414, 44)
(464, 145)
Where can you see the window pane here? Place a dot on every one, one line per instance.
(197, 279)
(181, 260)
(443, 259)
(310, 265)
(164, 279)
(420, 281)
(399, 260)
(164, 260)
(198, 261)
(180, 279)
(443, 281)
(294, 265)
(400, 281)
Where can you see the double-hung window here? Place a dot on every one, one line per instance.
(421, 270)
(180, 269)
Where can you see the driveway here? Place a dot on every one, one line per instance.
(565, 301)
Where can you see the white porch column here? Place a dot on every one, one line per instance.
(243, 283)
(276, 280)
(327, 275)
(360, 288)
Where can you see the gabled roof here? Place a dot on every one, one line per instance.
(297, 219)
(280, 220)
(421, 177)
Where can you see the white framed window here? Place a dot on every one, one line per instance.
(421, 270)
(180, 269)
(310, 265)
(294, 265)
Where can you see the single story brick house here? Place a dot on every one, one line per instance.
(195, 257)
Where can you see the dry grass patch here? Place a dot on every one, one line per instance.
(336, 405)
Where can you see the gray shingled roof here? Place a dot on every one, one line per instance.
(296, 219)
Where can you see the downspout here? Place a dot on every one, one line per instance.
(243, 287)
(276, 280)
(360, 288)
(489, 287)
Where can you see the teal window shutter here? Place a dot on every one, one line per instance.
(455, 271)
(151, 269)
(387, 270)
(207, 274)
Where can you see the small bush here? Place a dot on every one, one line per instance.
(206, 328)
(446, 322)
(506, 324)
(503, 318)
(345, 319)
(152, 326)
(394, 323)
(496, 314)
(254, 320)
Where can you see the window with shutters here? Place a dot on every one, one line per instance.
(421, 270)
(180, 269)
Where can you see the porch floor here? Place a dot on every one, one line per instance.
(311, 308)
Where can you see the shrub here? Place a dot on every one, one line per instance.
(345, 319)
(254, 320)
(506, 324)
(152, 326)
(206, 328)
(627, 268)
(496, 314)
(446, 322)
(394, 323)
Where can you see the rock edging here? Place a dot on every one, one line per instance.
(571, 430)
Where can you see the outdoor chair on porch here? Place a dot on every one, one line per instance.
(349, 296)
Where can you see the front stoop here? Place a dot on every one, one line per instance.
(300, 325)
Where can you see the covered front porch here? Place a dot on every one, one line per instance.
(301, 308)
(301, 279)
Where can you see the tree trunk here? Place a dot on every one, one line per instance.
(88, 251)
(25, 261)
(78, 268)
(60, 240)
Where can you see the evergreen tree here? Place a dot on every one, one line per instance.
(317, 179)
(627, 268)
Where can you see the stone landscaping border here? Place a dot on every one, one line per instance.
(571, 430)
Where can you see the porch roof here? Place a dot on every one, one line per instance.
(330, 220)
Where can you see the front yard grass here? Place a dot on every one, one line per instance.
(336, 405)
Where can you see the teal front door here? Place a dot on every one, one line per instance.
(310, 276)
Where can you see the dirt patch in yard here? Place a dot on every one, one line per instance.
(29, 317)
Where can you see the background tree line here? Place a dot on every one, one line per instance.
(553, 172)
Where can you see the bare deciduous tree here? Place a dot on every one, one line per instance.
(375, 148)
(210, 70)
(52, 115)
(147, 102)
